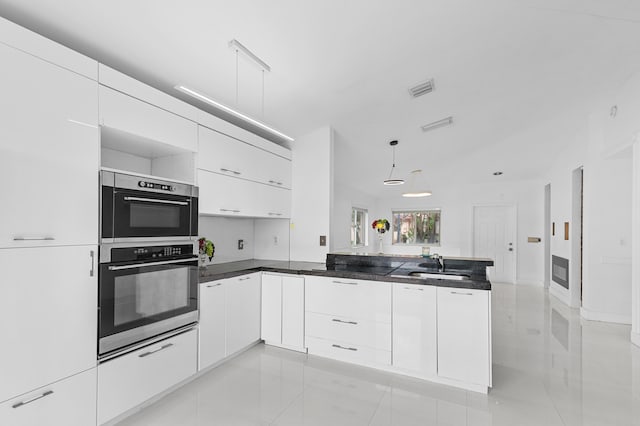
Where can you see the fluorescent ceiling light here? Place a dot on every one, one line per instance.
(436, 124)
(225, 108)
(416, 194)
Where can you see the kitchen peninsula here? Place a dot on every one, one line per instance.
(422, 317)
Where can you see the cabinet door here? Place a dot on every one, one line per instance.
(49, 154)
(211, 325)
(220, 153)
(128, 114)
(243, 311)
(131, 379)
(271, 325)
(69, 402)
(463, 335)
(48, 316)
(414, 328)
(293, 312)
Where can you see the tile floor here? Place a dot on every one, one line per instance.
(550, 368)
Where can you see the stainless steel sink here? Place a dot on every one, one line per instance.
(435, 275)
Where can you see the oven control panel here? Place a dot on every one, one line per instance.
(122, 254)
(154, 185)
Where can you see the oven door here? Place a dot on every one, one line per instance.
(142, 300)
(147, 214)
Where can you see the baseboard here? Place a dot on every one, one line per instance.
(604, 316)
(531, 283)
(635, 338)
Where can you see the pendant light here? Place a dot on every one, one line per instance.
(390, 180)
(413, 192)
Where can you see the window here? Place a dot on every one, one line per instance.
(358, 227)
(416, 227)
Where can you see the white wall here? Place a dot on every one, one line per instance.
(271, 238)
(607, 240)
(225, 232)
(312, 195)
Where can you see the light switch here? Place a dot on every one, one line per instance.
(323, 240)
(240, 244)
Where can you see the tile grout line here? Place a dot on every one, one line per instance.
(379, 405)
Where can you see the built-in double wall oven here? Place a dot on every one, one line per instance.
(148, 276)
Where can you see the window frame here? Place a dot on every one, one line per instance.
(395, 212)
(365, 235)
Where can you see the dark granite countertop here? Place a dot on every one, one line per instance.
(398, 272)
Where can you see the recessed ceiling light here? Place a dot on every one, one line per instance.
(497, 173)
(436, 124)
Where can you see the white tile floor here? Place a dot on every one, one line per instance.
(550, 368)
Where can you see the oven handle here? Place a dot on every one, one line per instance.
(155, 200)
(144, 265)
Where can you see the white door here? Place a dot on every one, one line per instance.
(271, 325)
(212, 323)
(243, 311)
(494, 238)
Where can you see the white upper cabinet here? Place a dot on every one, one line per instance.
(133, 116)
(414, 329)
(48, 316)
(49, 153)
(228, 196)
(220, 153)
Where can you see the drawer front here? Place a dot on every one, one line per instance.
(128, 381)
(375, 335)
(71, 402)
(347, 352)
(367, 300)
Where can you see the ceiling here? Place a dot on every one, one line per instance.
(517, 76)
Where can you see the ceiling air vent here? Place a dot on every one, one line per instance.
(421, 89)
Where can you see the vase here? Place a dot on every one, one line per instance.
(380, 251)
(203, 261)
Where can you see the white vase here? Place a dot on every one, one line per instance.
(380, 250)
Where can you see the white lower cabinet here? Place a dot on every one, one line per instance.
(129, 380)
(283, 311)
(348, 319)
(415, 329)
(48, 317)
(464, 335)
(69, 402)
(242, 311)
(212, 327)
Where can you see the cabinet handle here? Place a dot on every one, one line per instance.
(33, 238)
(346, 349)
(93, 259)
(230, 171)
(275, 182)
(461, 294)
(344, 322)
(275, 214)
(344, 282)
(163, 347)
(230, 210)
(29, 401)
(416, 289)
(244, 279)
(213, 285)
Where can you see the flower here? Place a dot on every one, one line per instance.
(206, 247)
(381, 225)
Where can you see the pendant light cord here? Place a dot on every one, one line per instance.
(393, 164)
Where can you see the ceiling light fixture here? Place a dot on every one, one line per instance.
(390, 181)
(440, 123)
(239, 47)
(225, 108)
(412, 193)
(421, 89)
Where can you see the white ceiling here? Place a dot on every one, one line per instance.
(515, 74)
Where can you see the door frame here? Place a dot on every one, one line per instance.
(514, 217)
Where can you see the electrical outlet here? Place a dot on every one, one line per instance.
(275, 240)
(240, 244)
(323, 240)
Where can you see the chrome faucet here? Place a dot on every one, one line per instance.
(440, 261)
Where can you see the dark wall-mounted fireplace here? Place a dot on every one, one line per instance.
(560, 271)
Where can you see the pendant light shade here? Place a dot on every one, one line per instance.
(390, 180)
(413, 192)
